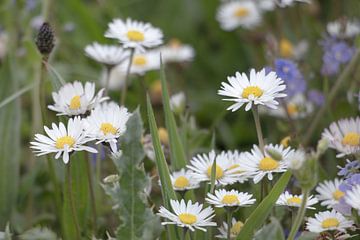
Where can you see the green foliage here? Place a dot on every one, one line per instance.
(38, 233)
(137, 219)
(271, 231)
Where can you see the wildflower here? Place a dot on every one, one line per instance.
(287, 199)
(236, 227)
(288, 3)
(296, 159)
(189, 215)
(143, 62)
(351, 168)
(183, 180)
(237, 13)
(175, 51)
(343, 29)
(62, 140)
(289, 50)
(316, 97)
(75, 99)
(344, 136)
(326, 221)
(347, 186)
(106, 54)
(134, 34)
(259, 88)
(177, 102)
(107, 123)
(232, 198)
(329, 192)
(45, 39)
(352, 197)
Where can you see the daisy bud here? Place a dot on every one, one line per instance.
(322, 146)
(276, 155)
(307, 175)
(45, 39)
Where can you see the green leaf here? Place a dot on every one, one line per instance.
(271, 231)
(177, 153)
(137, 219)
(260, 214)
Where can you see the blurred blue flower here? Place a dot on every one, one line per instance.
(316, 97)
(351, 168)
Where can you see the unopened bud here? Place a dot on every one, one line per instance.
(274, 154)
(307, 175)
(322, 146)
(45, 39)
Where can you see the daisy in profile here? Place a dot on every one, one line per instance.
(175, 51)
(232, 198)
(353, 198)
(343, 28)
(259, 88)
(329, 192)
(183, 180)
(344, 136)
(108, 55)
(235, 157)
(287, 199)
(143, 62)
(235, 229)
(134, 34)
(107, 123)
(326, 221)
(258, 165)
(189, 215)
(61, 140)
(234, 14)
(75, 99)
(201, 165)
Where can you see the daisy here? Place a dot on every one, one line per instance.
(259, 165)
(344, 136)
(353, 198)
(62, 140)
(287, 3)
(266, 5)
(189, 215)
(183, 180)
(143, 62)
(75, 99)
(326, 221)
(235, 229)
(175, 51)
(107, 123)
(287, 199)
(329, 192)
(259, 88)
(235, 159)
(235, 14)
(201, 165)
(343, 29)
(232, 198)
(134, 34)
(106, 54)
(296, 159)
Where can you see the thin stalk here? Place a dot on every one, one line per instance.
(300, 215)
(184, 233)
(191, 235)
(258, 127)
(107, 78)
(71, 201)
(229, 218)
(124, 89)
(92, 193)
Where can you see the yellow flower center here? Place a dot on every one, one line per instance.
(136, 36)
(175, 43)
(352, 139)
(219, 172)
(252, 90)
(230, 199)
(140, 60)
(338, 194)
(181, 182)
(187, 218)
(163, 135)
(286, 48)
(292, 109)
(75, 103)
(66, 140)
(268, 164)
(236, 228)
(330, 222)
(294, 200)
(241, 12)
(107, 128)
(285, 141)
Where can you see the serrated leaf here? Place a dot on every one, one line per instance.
(260, 214)
(271, 231)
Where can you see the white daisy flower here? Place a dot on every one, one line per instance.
(288, 3)
(259, 165)
(325, 221)
(232, 198)
(175, 51)
(343, 29)
(353, 197)
(107, 123)
(134, 34)
(75, 99)
(329, 192)
(235, 229)
(290, 200)
(143, 62)
(259, 88)
(235, 158)
(266, 5)
(62, 140)
(235, 14)
(183, 180)
(177, 102)
(189, 215)
(201, 165)
(344, 136)
(296, 159)
(106, 54)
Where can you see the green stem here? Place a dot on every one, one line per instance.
(184, 233)
(258, 127)
(229, 218)
(124, 89)
(300, 215)
(92, 193)
(107, 79)
(71, 201)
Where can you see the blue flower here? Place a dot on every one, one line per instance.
(350, 169)
(316, 97)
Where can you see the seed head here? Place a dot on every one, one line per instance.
(45, 39)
